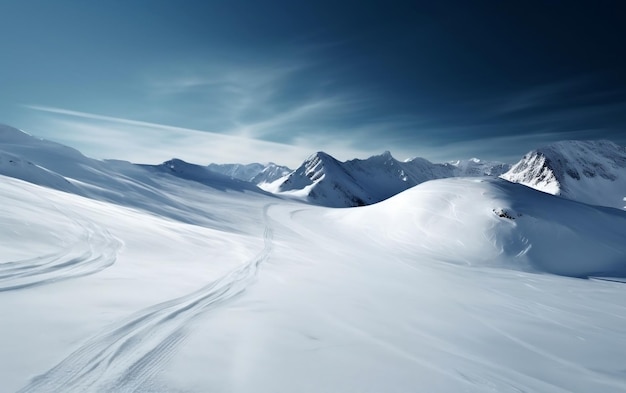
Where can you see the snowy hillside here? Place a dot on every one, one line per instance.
(587, 171)
(50, 164)
(323, 180)
(200, 174)
(255, 173)
(436, 287)
(117, 277)
(492, 222)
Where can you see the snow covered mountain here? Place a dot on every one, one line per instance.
(174, 278)
(477, 167)
(323, 180)
(436, 287)
(586, 171)
(53, 165)
(200, 174)
(255, 173)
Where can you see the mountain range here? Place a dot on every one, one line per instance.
(176, 278)
(255, 173)
(587, 171)
(325, 181)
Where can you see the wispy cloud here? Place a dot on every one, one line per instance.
(138, 141)
(279, 100)
(536, 97)
(102, 136)
(285, 109)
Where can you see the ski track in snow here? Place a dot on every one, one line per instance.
(601, 378)
(94, 251)
(126, 355)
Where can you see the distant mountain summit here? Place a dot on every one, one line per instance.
(150, 188)
(587, 171)
(200, 174)
(323, 180)
(477, 167)
(592, 172)
(255, 173)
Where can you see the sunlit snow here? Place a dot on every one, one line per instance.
(122, 278)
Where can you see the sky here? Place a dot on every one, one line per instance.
(259, 81)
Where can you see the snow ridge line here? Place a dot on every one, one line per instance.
(126, 355)
(72, 262)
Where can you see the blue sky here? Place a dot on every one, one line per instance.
(224, 81)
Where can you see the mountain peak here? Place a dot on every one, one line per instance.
(10, 134)
(320, 155)
(477, 167)
(173, 162)
(323, 180)
(385, 156)
(587, 171)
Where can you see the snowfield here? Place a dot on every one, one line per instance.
(189, 282)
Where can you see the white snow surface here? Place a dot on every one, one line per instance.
(455, 285)
(587, 171)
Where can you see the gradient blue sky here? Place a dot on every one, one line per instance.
(224, 81)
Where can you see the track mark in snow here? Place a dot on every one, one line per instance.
(126, 355)
(95, 250)
(600, 378)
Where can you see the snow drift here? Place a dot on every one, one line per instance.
(491, 222)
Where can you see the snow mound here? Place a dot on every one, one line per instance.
(494, 223)
(587, 171)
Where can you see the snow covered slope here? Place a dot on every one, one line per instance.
(200, 174)
(153, 283)
(60, 167)
(52, 245)
(323, 180)
(435, 288)
(587, 171)
(492, 222)
(255, 173)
